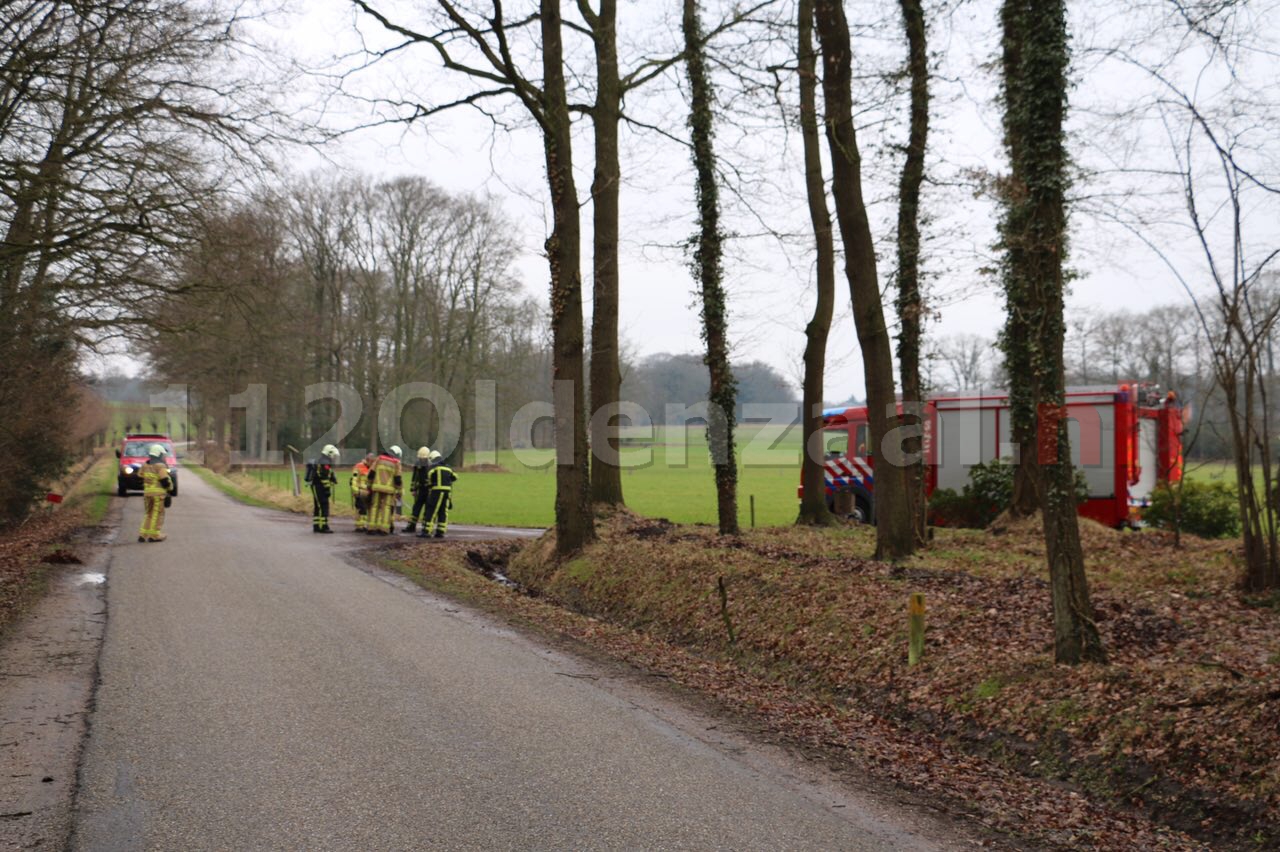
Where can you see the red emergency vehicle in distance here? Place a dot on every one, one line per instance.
(132, 454)
(1126, 439)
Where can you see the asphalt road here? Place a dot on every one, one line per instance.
(259, 691)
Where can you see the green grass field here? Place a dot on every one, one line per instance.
(669, 477)
(1216, 470)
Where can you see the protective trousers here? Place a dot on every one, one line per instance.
(362, 512)
(420, 502)
(437, 512)
(152, 518)
(380, 515)
(320, 507)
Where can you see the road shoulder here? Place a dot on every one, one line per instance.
(48, 669)
(901, 818)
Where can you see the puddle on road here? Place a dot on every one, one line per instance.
(92, 579)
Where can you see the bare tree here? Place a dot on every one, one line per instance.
(109, 114)
(606, 374)
(813, 504)
(895, 537)
(104, 108)
(968, 359)
(1212, 99)
(1239, 318)
(418, 287)
(494, 70)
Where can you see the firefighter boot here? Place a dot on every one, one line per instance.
(410, 527)
(439, 534)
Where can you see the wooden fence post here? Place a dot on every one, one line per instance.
(915, 628)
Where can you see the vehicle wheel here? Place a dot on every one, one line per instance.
(121, 490)
(174, 492)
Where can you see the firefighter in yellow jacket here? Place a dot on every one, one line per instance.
(157, 486)
(385, 483)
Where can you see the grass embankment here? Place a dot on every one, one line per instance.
(28, 550)
(251, 490)
(1184, 723)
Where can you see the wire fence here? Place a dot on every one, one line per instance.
(282, 479)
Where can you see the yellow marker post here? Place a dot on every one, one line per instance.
(915, 627)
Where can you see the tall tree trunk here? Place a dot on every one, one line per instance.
(895, 538)
(813, 504)
(575, 526)
(1018, 328)
(606, 376)
(707, 267)
(910, 303)
(1036, 58)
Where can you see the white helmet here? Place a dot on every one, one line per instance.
(156, 451)
(435, 455)
(330, 451)
(396, 451)
(424, 452)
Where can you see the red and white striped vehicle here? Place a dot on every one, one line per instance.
(1126, 439)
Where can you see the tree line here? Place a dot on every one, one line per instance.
(108, 114)
(364, 286)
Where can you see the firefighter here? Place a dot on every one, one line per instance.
(385, 483)
(323, 481)
(157, 488)
(418, 489)
(360, 498)
(440, 479)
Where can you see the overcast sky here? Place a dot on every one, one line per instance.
(770, 279)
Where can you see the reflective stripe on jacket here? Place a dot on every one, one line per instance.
(155, 479)
(382, 479)
(441, 478)
(360, 478)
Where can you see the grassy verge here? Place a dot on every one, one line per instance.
(251, 491)
(93, 492)
(808, 639)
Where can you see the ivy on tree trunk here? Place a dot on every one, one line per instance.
(1034, 237)
(709, 273)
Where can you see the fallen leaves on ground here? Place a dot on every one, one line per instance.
(1176, 742)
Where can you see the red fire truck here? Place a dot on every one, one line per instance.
(1126, 440)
